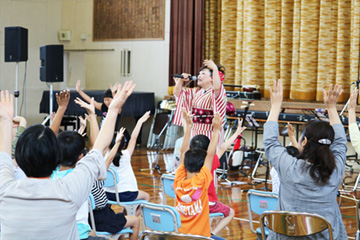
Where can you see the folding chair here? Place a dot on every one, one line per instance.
(167, 181)
(295, 224)
(259, 202)
(124, 231)
(111, 182)
(159, 217)
(167, 189)
(152, 235)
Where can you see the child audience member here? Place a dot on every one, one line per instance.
(40, 207)
(105, 218)
(127, 186)
(192, 180)
(72, 146)
(310, 181)
(202, 141)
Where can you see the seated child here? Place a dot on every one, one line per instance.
(127, 186)
(72, 147)
(202, 141)
(50, 206)
(192, 180)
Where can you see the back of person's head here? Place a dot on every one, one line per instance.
(194, 159)
(72, 145)
(200, 141)
(37, 151)
(319, 135)
(108, 94)
(123, 144)
(293, 151)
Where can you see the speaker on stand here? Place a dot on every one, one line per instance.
(52, 68)
(16, 50)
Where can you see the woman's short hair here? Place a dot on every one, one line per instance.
(37, 151)
(220, 68)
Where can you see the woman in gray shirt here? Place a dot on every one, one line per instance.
(310, 182)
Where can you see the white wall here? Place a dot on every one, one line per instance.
(44, 18)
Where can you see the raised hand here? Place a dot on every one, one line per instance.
(121, 95)
(120, 134)
(353, 100)
(89, 107)
(276, 94)
(145, 117)
(291, 130)
(210, 64)
(113, 88)
(331, 97)
(63, 98)
(240, 129)
(186, 118)
(6, 106)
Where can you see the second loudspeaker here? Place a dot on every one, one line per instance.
(52, 63)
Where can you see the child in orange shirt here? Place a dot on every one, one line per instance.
(192, 180)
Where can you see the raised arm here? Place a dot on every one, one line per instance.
(103, 140)
(330, 100)
(215, 76)
(276, 98)
(187, 124)
(136, 131)
(6, 115)
(90, 108)
(291, 133)
(353, 127)
(115, 148)
(86, 97)
(231, 139)
(214, 141)
(62, 100)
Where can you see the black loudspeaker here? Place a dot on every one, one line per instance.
(16, 44)
(52, 63)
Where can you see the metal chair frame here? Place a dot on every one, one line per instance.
(154, 235)
(296, 224)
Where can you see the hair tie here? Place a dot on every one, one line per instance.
(222, 76)
(324, 141)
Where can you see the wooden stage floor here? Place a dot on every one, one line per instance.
(233, 196)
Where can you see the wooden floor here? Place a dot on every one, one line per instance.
(233, 196)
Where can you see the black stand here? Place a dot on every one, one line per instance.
(157, 144)
(266, 178)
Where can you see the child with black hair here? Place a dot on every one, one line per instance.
(202, 142)
(72, 147)
(40, 207)
(127, 185)
(192, 180)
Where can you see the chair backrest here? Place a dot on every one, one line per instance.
(297, 224)
(111, 181)
(159, 217)
(237, 158)
(152, 235)
(167, 181)
(259, 202)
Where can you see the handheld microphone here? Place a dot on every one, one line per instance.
(192, 78)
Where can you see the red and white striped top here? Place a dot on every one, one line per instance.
(200, 99)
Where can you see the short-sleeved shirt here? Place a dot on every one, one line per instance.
(192, 201)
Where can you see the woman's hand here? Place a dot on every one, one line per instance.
(331, 97)
(276, 94)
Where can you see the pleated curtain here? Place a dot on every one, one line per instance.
(309, 44)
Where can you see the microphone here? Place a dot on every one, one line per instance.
(192, 78)
(357, 82)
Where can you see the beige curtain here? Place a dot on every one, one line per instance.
(309, 44)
